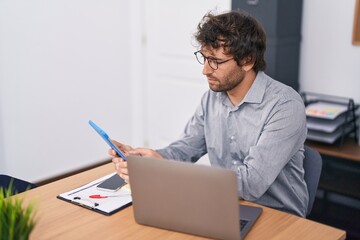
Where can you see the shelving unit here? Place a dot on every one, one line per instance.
(339, 185)
(330, 119)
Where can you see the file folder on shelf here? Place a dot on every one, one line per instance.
(330, 118)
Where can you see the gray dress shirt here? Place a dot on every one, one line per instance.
(266, 132)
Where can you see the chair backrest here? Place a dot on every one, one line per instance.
(312, 166)
(18, 185)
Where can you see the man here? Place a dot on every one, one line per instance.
(245, 116)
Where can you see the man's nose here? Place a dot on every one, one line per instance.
(207, 69)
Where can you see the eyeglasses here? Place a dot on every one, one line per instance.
(213, 63)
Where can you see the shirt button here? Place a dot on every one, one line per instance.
(232, 138)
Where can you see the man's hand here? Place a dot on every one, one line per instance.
(121, 165)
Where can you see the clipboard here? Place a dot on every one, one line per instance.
(104, 202)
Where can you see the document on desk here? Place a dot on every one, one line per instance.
(104, 202)
(325, 110)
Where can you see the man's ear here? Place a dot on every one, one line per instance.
(248, 63)
(248, 66)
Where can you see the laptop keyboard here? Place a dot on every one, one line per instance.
(243, 223)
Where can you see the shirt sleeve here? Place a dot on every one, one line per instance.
(191, 146)
(283, 134)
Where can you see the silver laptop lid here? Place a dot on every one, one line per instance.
(184, 197)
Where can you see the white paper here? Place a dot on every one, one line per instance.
(327, 137)
(114, 200)
(325, 110)
(325, 125)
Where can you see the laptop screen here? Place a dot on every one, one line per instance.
(185, 197)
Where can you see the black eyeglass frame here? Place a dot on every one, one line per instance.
(210, 60)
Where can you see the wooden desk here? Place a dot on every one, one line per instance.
(58, 219)
(349, 151)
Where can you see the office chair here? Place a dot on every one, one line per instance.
(18, 185)
(312, 166)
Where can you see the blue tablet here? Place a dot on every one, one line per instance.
(107, 139)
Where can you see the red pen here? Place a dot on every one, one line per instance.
(103, 196)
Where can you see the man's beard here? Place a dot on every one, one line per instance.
(231, 81)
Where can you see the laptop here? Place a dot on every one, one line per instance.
(189, 198)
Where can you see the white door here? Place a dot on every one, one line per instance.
(174, 82)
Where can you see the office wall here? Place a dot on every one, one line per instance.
(61, 64)
(329, 63)
(64, 62)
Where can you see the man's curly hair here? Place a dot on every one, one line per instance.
(240, 34)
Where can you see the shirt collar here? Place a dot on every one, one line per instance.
(257, 90)
(254, 95)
